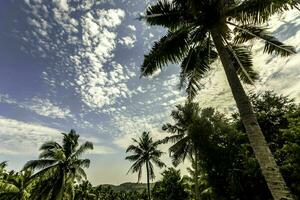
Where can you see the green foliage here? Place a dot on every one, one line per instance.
(190, 25)
(59, 166)
(171, 187)
(278, 116)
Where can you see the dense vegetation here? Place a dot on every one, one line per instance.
(223, 165)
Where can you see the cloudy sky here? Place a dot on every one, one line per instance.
(75, 64)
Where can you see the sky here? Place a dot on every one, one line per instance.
(75, 64)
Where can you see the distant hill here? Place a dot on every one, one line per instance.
(130, 187)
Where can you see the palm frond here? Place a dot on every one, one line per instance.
(39, 164)
(179, 151)
(258, 11)
(272, 44)
(195, 65)
(158, 162)
(163, 13)
(169, 49)
(82, 163)
(50, 145)
(243, 63)
(132, 157)
(83, 148)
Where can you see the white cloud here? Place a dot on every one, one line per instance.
(21, 138)
(128, 41)
(97, 86)
(41, 106)
(45, 107)
(131, 27)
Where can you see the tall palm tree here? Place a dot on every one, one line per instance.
(189, 124)
(201, 31)
(145, 152)
(59, 166)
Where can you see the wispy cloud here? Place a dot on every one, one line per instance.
(41, 106)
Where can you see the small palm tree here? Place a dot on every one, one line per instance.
(59, 166)
(145, 152)
(201, 31)
(189, 124)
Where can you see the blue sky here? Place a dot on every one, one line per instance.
(75, 64)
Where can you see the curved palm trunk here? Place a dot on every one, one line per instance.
(148, 180)
(269, 168)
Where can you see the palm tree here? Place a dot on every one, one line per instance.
(201, 31)
(59, 166)
(190, 123)
(145, 152)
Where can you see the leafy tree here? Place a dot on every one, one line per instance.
(288, 156)
(197, 175)
(198, 32)
(171, 187)
(16, 186)
(276, 114)
(145, 152)
(84, 191)
(59, 166)
(185, 133)
(228, 169)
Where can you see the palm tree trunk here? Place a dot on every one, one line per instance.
(196, 178)
(148, 180)
(269, 168)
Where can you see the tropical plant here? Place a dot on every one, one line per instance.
(198, 32)
(185, 134)
(84, 191)
(145, 152)
(16, 186)
(59, 166)
(172, 186)
(277, 115)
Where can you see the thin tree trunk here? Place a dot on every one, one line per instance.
(148, 180)
(269, 168)
(196, 178)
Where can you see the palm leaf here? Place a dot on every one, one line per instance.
(243, 63)
(260, 11)
(83, 148)
(272, 44)
(169, 49)
(163, 13)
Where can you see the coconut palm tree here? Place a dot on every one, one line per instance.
(145, 152)
(201, 31)
(59, 166)
(189, 124)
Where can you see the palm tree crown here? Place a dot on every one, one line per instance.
(191, 25)
(145, 152)
(60, 165)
